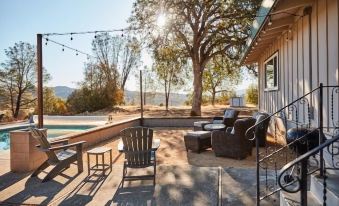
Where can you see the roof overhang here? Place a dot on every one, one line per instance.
(274, 18)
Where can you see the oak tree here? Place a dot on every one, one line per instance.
(18, 77)
(204, 28)
(220, 77)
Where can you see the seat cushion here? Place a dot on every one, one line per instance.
(199, 123)
(218, 121)
(199, 134)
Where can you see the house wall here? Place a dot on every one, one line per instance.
(308, 58)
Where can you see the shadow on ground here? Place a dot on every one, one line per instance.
(91, 184)
(239, 187)
(176, 185)
(22, 189)
(11, 178)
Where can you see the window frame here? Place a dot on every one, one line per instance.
(276, 73)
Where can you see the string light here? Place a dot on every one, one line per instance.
(91, 32)
(95, 35)
(270, 22)
(46, 41)
(122, 33)
(71, 37)
(70, 48)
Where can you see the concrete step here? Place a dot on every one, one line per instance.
(293, 199)
(332, 192)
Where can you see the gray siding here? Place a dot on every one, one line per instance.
(308, 58)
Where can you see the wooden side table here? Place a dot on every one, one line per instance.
(97, 152)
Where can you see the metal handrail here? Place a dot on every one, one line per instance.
(301, 177)
(251, 129)
(304, 157)
(290, 144)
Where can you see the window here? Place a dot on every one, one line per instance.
(271, 73)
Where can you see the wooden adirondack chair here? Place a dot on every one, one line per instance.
(138, 152)
(59, 156)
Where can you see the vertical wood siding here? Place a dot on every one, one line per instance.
(308, 58)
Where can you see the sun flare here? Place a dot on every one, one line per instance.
(161, 21)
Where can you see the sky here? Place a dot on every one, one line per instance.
(21, 20)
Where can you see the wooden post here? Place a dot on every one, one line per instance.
(40, 81)
(141, 100)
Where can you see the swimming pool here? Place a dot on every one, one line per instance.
(53, 131)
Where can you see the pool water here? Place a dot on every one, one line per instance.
(52, 132)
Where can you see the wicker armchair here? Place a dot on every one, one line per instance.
(230, 115)
(233, 143)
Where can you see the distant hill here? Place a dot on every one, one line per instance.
(131, 96)
(62, 91)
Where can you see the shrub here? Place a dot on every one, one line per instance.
(252, 94)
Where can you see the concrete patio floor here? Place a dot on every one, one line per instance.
(182, 179)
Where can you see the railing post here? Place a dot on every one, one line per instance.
(320, 125)
(141, 102)
(303, 183)
(257, 171)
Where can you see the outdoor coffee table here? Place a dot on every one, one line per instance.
(155, 145)
(214, 127)
(99, 151)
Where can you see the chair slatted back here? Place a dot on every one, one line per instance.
(41, 137)
(137, 145)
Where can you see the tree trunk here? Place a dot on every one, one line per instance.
(166, 102)
(167, 90)
(213, 97)
(197, 92)
(17, 106)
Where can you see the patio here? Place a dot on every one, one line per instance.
(182, 178)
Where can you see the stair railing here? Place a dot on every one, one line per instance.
(301, 180)
(299, 112)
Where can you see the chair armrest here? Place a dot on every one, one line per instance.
(62, 141)
(229, 129)
(76, 144)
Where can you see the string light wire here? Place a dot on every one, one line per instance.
(136, 29)
(70, 48)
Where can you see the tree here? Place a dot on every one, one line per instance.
(170, 68)
(52, 103)
(252, 69)
(204, 28)
(18, 77)
(107, 51)
(149, 85)
(107, 73)
(220, 77)
(130, 59)
(252, 94)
